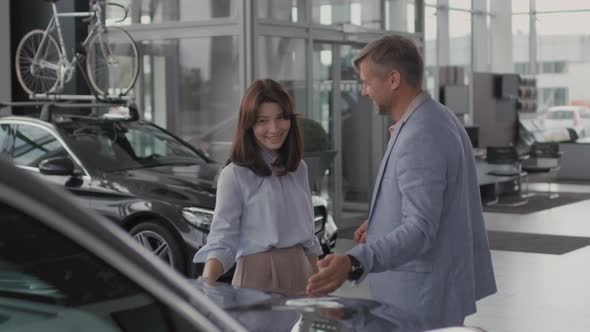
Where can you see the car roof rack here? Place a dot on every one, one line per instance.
(49, 106)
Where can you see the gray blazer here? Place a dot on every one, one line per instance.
(427, 249)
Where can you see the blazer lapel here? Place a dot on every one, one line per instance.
(382, 168)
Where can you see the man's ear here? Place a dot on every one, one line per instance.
(395, 79)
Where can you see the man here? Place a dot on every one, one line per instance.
(424, 244)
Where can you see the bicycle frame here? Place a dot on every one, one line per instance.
(66, 67)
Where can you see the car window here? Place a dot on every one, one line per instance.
(49, 283)
(111, 145)
(5, 140)
(148, 141)
(585, 113)
(34, 144)
(560, 115)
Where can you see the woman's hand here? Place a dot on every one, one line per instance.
(213, 269)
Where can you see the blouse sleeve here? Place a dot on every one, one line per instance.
(223, 239)
(312, 246)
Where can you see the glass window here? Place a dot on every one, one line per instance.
(546, 5)
(460, 38)
(283, 59)
(430, 51)
(192, 88)
(50, 281)
(33, 145)
(520, 33)
(563, 52)
(553, 97)
(155, 11)
(585, 113)
(282, 10)
(521, 68)
(462, 4)
(520, 6)
(365, 13)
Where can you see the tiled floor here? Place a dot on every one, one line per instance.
(536, 292)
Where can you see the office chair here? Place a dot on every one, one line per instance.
(509, 164)
(544, 158)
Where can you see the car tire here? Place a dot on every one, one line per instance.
(155, 237)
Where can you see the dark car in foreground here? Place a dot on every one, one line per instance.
(151, 183)
(63, 268)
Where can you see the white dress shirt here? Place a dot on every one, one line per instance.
(254, 214)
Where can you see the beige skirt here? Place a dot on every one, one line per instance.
(278, 269)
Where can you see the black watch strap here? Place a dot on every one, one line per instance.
(356, 269)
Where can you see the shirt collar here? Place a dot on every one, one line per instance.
(417, 101)
(268, 156)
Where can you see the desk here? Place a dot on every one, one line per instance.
(483, 178)
(574, 161)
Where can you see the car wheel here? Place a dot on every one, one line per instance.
(160, 241)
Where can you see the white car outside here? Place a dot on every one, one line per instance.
(575, 117)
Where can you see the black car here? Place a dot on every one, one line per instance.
(154, 185)
(63, 268)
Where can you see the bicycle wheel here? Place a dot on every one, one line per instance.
(43, 74)
(112, 62)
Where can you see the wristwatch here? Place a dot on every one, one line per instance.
(356, 269)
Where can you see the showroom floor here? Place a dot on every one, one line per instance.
(536, 292)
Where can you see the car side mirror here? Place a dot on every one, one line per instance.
(57, 166)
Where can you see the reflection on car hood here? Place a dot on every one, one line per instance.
(189, 183)
(268, 311)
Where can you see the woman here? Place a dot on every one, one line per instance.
(263, 218)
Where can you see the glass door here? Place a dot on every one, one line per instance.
(357, 134)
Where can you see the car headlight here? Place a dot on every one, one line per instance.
(198, 217)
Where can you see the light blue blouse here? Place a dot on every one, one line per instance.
(254, 214)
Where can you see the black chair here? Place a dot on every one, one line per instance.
(544, 158)
(509, 164)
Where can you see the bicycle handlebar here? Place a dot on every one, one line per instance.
(121, 6)
(94, 3)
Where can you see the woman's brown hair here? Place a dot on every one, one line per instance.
(245, 150)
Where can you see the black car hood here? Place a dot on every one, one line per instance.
(268, 311)
(185, 184)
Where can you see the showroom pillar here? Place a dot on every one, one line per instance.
(480, 37)
(501, 34)
(443, 53)
(5, 55)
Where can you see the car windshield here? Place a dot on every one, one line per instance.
(117, 145)
(560, 115)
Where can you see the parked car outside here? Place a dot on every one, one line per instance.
(64, 268)
(151, 183)
(575, 117)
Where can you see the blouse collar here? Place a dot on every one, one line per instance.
(269, 156)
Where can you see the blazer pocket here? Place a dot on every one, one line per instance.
(416, 266)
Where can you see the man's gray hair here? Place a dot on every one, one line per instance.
(395, 52)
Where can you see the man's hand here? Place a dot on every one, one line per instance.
(335, 270)
(360, 235)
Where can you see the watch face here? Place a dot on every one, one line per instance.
(356, 273)
(356, 270)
